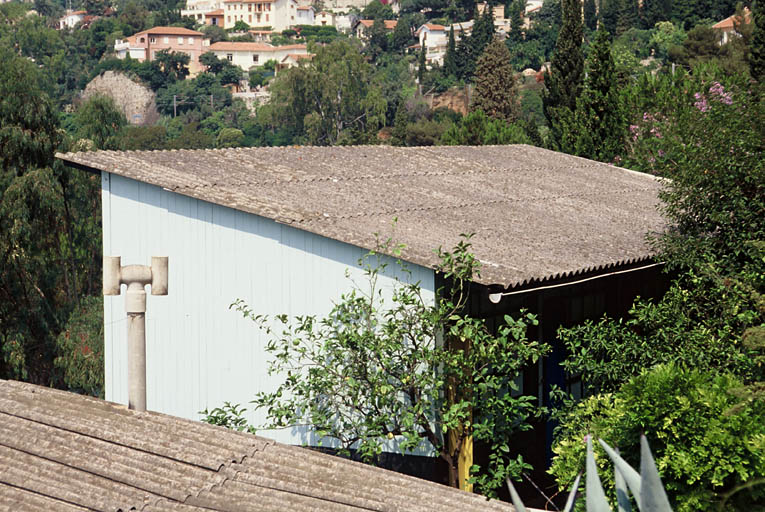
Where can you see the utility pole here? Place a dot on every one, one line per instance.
(136, 277)
(174, 105)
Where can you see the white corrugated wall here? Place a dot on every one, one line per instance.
(199, 352)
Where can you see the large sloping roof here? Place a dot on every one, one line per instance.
(536, 214)
(61, 451)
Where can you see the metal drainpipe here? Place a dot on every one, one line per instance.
(136, 277)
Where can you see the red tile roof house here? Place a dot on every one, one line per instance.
(561, 236)
(361, 27)
(145, 45)
(727, 27)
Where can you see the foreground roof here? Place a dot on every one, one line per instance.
(61, 451)
(536, 214)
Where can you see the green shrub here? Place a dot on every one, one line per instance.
(709, 454)
(80, 348)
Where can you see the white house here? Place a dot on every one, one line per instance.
(305, 15)
(197, 9)
(728, 28)
(277, 14)
(325, 18)
(247, 55)
(280, 227)
(71, 19)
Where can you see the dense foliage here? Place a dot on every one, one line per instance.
(708, 445)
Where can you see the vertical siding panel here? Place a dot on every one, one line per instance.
(200, 352)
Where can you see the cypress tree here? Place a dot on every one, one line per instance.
(563, 83)
(483, 31)
(450, 57)
(495, 84)
(598, 128)
(590, 15)
(757, 44)
(609, 14)
(421, 68)
(516, 22)
(628, 16)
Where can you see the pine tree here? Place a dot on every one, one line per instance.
(609, 14)
(495, 84)
(598, 126)
(400, 123)
(450, 57)
(590, 15)
(757, 44)
(402, 34)
(563, 83)
(628, 16)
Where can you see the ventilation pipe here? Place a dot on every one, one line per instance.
(136, 277)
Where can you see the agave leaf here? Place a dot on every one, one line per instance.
(653, 498)
(627, 472)
(517, 503)
(596, 497)
(622, 495)
(572, 494)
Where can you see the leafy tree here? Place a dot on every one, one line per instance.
(379, 371)
(757, 46)
(214, 33)
(174, 65)
(563, 82)
(398, 134)
(332, 100)
(375, 10)
(49, 238)
(496, 88)
(709, 142)
(598, 129)
(239, 26)
(95, 7)
(450, 57)
(99, 120)
(230, 138)
(142, 138)
(476, 129)
(545, 25)
(705, 439)
(590, 15)
(80, 348)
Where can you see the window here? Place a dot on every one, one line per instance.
(143, 39)
(229, 19)
(266, 17)
(229, 57)
(254, 58)
(250, 16)
(249, 7)
(191, 39)
(180, 40)
(166, 40)
(153, 40)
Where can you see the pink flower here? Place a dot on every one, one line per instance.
(701, 102)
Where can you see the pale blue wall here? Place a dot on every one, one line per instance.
(199, 352)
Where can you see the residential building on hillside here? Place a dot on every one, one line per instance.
(145, 45)
(728, 28)
(247, 55)
(214, 17)
(283, 229)
(325, 18)
(197, 9)
(71, 19)
(434, 38)
(361, 27)
(276, 14)
(305, 15)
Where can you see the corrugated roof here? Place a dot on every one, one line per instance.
(61, 451)
(536, 214)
